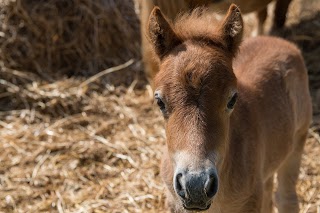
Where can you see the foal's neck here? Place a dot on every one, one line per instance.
(238, 170)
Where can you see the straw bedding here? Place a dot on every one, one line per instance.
(82, 144)
(102, 159)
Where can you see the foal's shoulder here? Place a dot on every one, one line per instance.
(266, 52)
(263, 58)
(269, 45)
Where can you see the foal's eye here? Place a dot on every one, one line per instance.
(160, 102)
(232, 101)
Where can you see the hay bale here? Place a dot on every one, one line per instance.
(71, 37)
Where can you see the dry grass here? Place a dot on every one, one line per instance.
(83, 145)
(67, 37)
(102, 158)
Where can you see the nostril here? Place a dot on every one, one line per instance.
(179, 186)
(211, 187)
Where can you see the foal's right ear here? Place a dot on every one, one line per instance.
(161, 33)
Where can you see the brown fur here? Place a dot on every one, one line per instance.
(266, 132)
(172, 8)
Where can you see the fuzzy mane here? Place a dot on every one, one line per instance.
(197, 24)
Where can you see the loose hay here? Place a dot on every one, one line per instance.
(104, 158)
(67, 37)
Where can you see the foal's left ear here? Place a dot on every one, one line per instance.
(232, 28)
(161, 34)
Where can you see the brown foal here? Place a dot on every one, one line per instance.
(235, 114)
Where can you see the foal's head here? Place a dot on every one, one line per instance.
(196, 92)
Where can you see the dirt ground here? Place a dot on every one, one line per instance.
(81, 145)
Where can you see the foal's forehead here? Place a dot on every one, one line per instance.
(194, 64)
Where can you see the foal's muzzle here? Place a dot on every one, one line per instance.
(196, 189)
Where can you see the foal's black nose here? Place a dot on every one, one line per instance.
(196, 189)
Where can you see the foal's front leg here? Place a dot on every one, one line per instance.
(267, 204)
(286, 196)
(247, 201)
(254, 204)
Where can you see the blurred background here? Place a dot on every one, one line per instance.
(78, 128)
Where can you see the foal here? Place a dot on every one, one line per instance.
(233, 119)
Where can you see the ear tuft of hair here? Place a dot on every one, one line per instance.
(161, 34)
(232, 28)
